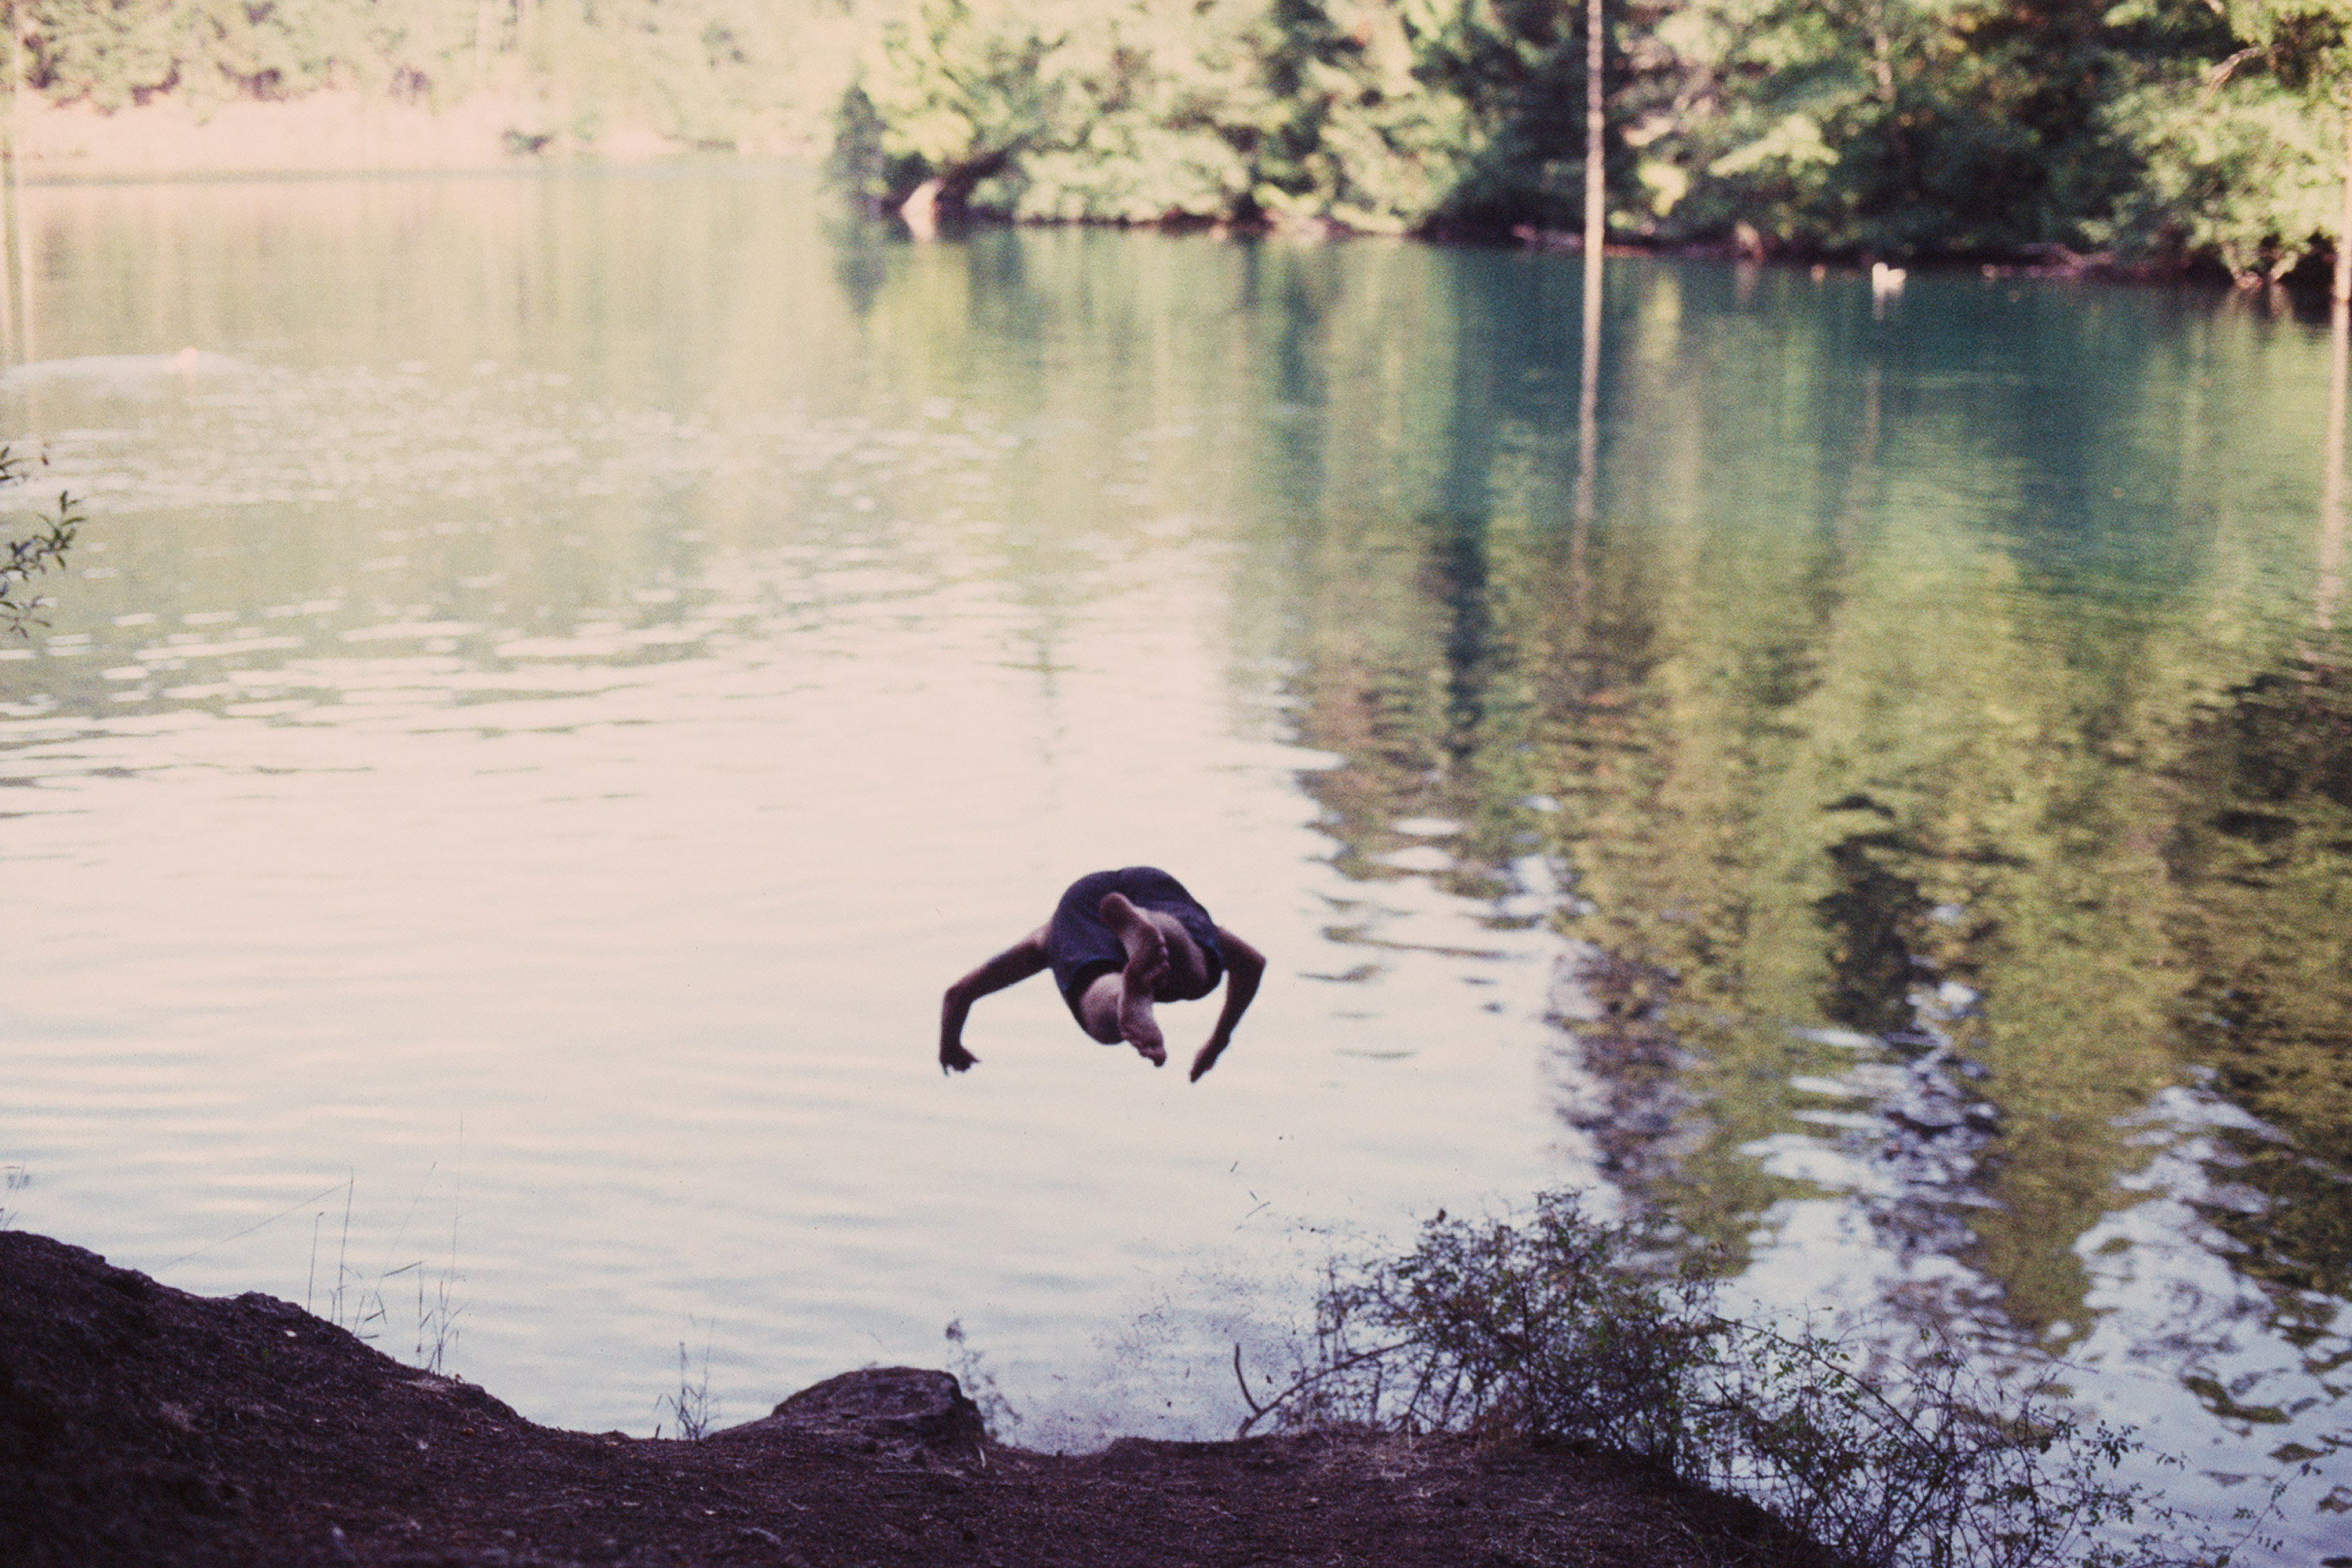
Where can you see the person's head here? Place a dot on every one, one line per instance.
(1188, 967)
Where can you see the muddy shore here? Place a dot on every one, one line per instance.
(142, 1425)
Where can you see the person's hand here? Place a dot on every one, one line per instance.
(1207, 1059)
(953, 1056)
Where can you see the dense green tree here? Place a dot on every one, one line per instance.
(1131, 112)
(2238, 127)
(1896, 126)
(115, 52)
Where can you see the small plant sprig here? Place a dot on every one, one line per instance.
(363, 1310)
(15, 1178)
(969, 1366)
(38, 551)
(693, 1413)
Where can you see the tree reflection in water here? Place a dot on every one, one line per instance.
(2262, 853)
(1915, 723)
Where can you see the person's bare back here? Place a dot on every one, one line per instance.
(1119, 942)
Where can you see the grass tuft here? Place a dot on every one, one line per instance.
(359, 1304)
(693, 1414)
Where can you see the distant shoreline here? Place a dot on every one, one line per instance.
(321, 133)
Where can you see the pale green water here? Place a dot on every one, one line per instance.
(577, 664)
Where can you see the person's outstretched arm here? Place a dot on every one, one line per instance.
(1244, 967)
(1015, 964)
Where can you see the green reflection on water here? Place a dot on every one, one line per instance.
(1939, 680)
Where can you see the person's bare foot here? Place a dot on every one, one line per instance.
(1146, 965)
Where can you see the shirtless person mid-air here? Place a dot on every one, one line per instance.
(1120, 942)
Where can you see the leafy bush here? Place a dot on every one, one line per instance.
(2247, 175)
(1554, 1327)
(2240, 145)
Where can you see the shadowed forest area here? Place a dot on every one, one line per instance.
(2146, 132)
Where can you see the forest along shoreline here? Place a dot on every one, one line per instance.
(332, 133)
(2173, 135)
(141, 1424)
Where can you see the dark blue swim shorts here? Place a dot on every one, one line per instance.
(1082, 947)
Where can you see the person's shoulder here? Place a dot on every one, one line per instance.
(1236, 946)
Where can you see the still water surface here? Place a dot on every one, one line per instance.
(556, 684)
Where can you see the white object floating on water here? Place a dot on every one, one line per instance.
(1886, 279)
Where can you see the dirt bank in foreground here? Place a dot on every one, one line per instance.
(141, 1424)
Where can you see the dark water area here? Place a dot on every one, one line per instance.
(1869, 778)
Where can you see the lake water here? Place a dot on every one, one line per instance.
(555, 684)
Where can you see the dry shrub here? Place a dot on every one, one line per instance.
(1554, 1327)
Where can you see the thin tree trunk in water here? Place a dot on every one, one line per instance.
(1587, 499)
(1595, 203)
(1588, 401)
(2330, 587)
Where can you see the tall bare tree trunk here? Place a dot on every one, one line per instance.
(2340, 370)
(2343, 223)
(15, 269)
(9, 172)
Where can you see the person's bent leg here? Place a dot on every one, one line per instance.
(1146, 964)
